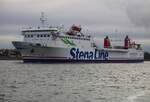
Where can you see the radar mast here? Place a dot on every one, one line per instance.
(42, 19)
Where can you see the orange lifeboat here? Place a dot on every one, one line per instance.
(76, 28)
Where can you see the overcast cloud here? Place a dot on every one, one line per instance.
(101, 17)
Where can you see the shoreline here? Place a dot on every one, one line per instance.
(10, 58)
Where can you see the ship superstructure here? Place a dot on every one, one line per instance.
(52, 37)
(54, 44)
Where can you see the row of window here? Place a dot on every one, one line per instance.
(47, 35)
(74, 38)
(39, 31)
(42, 35)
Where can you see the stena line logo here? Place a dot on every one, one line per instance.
(89, 55)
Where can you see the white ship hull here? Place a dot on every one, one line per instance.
(34, 53)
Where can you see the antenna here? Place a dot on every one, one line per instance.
(42, 19)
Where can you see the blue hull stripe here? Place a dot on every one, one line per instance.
(82, 61)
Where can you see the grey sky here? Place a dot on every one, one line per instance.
(101, 17)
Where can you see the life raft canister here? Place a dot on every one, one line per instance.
(127, 42)
(107, 43)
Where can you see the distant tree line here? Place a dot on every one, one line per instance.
(9, 54)
(147, 56)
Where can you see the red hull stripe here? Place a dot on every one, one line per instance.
(127, 58)
(44, 57)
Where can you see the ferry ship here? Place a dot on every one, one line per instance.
(56, 45)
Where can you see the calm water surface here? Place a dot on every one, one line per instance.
(22, 82)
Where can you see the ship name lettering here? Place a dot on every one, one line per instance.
(89, 55)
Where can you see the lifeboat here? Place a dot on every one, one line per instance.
(76, 28)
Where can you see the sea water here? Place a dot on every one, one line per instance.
(104, 82)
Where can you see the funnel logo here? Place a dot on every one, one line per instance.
(89, 55)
